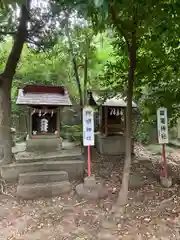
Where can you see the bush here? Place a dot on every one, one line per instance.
(72, 133)
(145, 132)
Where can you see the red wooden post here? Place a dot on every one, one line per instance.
(89, 160)
(164, 159)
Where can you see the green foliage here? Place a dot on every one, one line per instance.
(144, 132)
(157, 67)
(99, 3)
(54, 67)
(72, 133)
(4, 3)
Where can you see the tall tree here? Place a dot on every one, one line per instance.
(128, 20)
(127, 26)
(133, 21)
(6, 78)
(41, 28)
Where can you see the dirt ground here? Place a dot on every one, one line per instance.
(152, 212)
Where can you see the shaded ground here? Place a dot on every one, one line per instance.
(152, 212)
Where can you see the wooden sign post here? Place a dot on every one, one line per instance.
(88, 132)
(162, 125)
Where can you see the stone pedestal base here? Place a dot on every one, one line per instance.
(43, 144)
(91, 190)
(38, 190)
(110, 145)
(166, 182)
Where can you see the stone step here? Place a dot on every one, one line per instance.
(75, 169)
(33, 157)
(32, 191)
(42, 177)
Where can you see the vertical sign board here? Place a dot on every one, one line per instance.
(88, 132)
(162, 125)
(88, 126)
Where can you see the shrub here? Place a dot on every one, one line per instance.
(72, 133)
(145, 132)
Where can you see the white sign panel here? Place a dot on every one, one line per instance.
(162, 125)
(88, 126)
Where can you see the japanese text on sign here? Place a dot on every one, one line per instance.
(88, 126)
(115, 112)
(162, 125)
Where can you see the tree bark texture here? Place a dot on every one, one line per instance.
(85, 78)
(6, 83)
(74, 65)
(123, 194)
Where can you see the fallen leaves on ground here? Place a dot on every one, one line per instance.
(152, 212)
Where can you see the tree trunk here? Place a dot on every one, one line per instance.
(5, 86)
(5, 123)
(81, 102)
(74, 65)
(86, 69)
(78, 82)
(123, 194)
(85, 78)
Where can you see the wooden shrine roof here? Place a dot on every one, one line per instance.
(44, 89)
(43, 95)
(116, 101)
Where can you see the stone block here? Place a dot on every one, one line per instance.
(91, 191)
(43, 144)
(29, 157)
(42, 177)
(110, 145)
(33, 191)
(166, 181)
(90, 182)
(75, 169)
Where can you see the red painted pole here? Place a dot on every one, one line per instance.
(89, 161)
(164, 160)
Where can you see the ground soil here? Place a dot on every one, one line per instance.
(152, 212)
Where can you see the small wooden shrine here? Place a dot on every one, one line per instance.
(112, 120)
(45, 103)
(110, 138)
